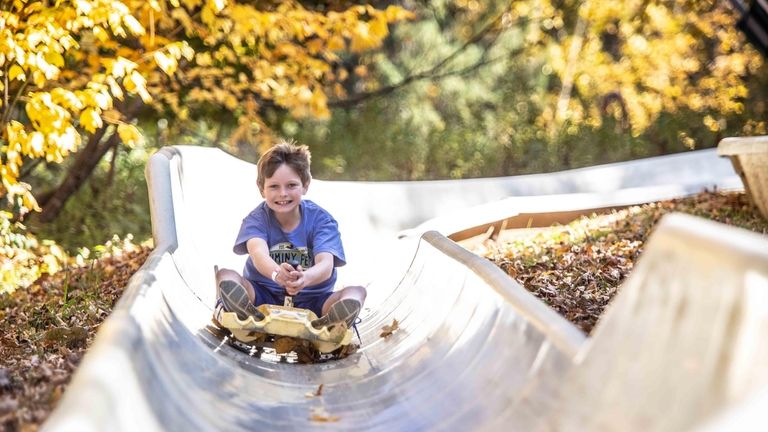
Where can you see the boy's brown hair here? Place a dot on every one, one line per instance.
(284, 152)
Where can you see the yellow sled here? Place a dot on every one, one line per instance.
(288, 322)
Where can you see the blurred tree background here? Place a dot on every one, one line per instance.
(382, 90)
(505, 88)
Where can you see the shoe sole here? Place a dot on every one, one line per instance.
(235, 299)
(343, 311)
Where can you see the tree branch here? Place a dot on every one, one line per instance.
(8, 107)
(85, 162)
(473, 40)
(29, 167)
(113, 163)
(5, 90)
(433, 72)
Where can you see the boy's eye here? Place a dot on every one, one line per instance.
(288, 186)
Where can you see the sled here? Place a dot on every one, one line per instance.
(287, 330)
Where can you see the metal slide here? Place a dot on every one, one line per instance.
(474, 351)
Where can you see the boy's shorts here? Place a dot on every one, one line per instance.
(303, 300)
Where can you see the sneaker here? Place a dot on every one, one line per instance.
(343, 311)
(235, 299)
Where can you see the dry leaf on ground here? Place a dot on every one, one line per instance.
(285, 345)
(46, 328)
(578, 268)
(317, 393)
(319, 414)
(387, 330)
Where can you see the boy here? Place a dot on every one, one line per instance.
(293, 247)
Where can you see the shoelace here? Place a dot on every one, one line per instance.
(358, 320)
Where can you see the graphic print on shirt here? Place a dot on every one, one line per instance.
(286, 252)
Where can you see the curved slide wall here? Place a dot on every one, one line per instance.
(475, 350)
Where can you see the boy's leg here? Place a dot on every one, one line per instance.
(342, 306)
(236, 294)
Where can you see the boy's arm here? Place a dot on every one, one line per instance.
(259, 253)
(294, 280)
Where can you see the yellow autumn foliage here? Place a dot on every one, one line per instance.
(72, 67)
(130, 135)
(650, 55)
(24, 258)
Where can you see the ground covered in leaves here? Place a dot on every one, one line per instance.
(578, 268)
(47, 327)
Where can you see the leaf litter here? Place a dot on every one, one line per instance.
(578, 268)
(46, 328)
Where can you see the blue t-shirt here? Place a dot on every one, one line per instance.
(317, 232)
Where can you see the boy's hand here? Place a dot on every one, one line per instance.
(285, 274)
(295, 281)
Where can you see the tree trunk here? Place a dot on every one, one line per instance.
(566, 89)
(86, 161)
(52, 202)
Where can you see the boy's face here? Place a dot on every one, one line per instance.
(283, 190)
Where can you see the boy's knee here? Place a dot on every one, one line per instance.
(359, 291)
(227, 274)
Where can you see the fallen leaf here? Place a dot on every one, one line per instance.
(387, 330)
(317, 393)
(348, 350)
(285, 345)
(71, 337)
(305, 352)
(319, 414)
(8, 405)
(56, 393)
(5, 380)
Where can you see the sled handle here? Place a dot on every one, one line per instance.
(288, 301)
